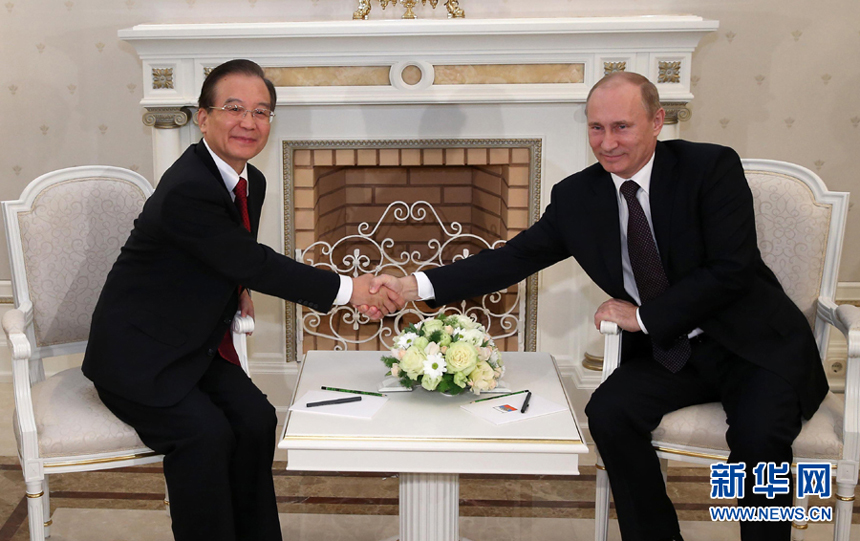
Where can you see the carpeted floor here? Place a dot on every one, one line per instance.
(142, 488)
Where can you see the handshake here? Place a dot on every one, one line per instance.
(378, 296)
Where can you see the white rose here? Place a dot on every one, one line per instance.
(465, 322)
(484, 353)
(432, 349)
(432, 325)
(430, 383)
(473, 336)
(482, 378)
(461, 357)
(413, 362)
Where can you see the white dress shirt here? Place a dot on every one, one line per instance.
(231, 178)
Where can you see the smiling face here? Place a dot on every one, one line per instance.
(621, 133)
(236, 140)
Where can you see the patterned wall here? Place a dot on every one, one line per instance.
(778, 80)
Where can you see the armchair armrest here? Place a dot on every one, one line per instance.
(14, 322)
(611, 347)
(243, 325)
(844, 317)
(848, 317)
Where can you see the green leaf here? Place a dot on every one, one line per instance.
(389, 361)
(436, 336)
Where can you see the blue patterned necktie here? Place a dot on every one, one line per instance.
(648, 271)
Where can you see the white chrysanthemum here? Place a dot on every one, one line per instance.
(406, 340)
(434, 366)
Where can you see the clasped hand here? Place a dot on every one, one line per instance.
(373, 299)
(393, 292)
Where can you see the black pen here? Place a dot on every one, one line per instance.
(335, 401)
(526, 402)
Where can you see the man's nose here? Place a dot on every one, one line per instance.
(248, 121)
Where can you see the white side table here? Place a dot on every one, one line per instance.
(428, 438)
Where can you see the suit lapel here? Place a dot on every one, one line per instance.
(217, 179)
(607, 230)
(664, 185)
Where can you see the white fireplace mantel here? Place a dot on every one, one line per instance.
(396, 80)
(642, 42)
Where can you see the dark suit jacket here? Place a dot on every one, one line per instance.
(172, 293)
(704, 224)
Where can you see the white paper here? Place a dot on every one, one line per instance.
(364, 409)
(503, 410)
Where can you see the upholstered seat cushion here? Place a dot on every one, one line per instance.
(72, 421)
(704, 427)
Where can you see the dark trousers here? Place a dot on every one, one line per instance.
(763, 415)
(218, 445)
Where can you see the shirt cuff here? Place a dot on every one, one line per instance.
(425, 287)
(345, 291)
(639, 321)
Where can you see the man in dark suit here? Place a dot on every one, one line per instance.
(704, 318)
(160, 352)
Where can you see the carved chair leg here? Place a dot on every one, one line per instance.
(798, 528)
(844, 509)
(36, 510)
(601, 502)
(46, 507)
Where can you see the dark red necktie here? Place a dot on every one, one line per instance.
(226, 349)
(648, 271)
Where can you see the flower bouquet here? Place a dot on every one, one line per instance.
(449, 354)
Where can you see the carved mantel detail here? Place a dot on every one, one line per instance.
(166, 117)
(676, 112)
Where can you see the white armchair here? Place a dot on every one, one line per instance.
(800, 227)
(63, 236)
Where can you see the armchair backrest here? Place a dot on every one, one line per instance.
(800, 226)
(64, 234)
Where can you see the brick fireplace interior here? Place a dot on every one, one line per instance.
(484, 189)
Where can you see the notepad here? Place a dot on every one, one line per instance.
(365, 409)
(506, 409)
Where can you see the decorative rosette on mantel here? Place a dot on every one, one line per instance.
(449, 354)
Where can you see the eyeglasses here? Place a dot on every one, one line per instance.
(236, 111)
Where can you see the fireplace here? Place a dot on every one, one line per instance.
(489, 188)
(408, 100)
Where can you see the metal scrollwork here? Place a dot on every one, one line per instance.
(363, 253)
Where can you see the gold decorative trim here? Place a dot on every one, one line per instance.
(166, 502)
(364, 7)
(429, 440)
(162, 78)
(34, 496)
(690, 453)
(592, 362)
(7, 300)
(307, 76)
(207, 70)
(47, 524)
(799, 526)
(676, 112)
(670, 72)
(166, 118)
(612, 67)
(100, 460)
(845, 498)
(600, 467)
(534, 146)
(484, 74)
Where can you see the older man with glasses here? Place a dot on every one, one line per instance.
(160, 352)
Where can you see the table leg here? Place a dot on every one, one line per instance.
(429, 506)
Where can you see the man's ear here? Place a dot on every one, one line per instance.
(202, 117)
(658, 120)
